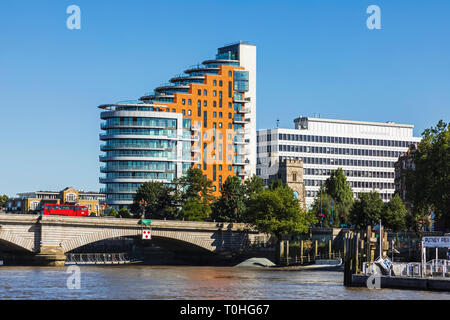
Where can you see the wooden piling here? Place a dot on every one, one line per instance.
(301, 252)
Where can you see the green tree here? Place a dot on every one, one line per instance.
(124, 213)
(428, 185)
(277, 211)
(276, 184)
(338, 188)
(394, 214)
(253, 185)
(328, 204)
(195, 185)
(158, 200)
(112, 213)
(193, 210)
(366, 210)
(230, 206)
(3, 200)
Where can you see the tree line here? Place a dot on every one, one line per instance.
(272, 209)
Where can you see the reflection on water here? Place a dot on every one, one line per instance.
(151, 282)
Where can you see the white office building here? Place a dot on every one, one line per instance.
(366, 151)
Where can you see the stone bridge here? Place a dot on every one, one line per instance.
(48, 238)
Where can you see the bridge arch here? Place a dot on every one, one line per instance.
(103, 234)
(21, 242)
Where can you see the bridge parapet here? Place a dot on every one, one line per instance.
(54, 236)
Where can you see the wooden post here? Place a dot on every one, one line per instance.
(345, 245)
(357, 253)
(286, 251)
(280, 252)
(316, 250)
(329, 249)
(301, 252)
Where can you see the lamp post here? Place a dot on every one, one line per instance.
(321, 212)
(142, 204)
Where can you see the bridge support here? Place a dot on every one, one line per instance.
(50, 256)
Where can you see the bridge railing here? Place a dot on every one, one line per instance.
(311, 257)
(97, 258)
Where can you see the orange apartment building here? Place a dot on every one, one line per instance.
(202, 118)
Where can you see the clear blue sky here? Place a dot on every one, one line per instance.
(314, 56)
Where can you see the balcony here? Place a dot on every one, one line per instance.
(242, 110)
(239, 162)
(187, 77)
(242, 152)
(105, 126)
(239, 99)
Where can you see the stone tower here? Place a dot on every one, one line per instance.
(291, 174)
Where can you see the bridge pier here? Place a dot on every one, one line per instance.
(50, 256)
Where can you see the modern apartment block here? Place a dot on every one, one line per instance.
(204, 117)
(366, 151)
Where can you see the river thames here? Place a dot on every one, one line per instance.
(191, 283)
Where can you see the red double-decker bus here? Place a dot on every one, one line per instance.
(65, 210)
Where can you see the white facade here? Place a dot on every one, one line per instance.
(366, 151)
(246, 54)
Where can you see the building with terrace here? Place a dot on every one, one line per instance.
(202, 118)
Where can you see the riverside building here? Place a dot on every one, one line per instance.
(366, 151)
(202, 118)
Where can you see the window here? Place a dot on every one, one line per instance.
(214, 114)
(230, 73)
(220, 114)
(199, 92)
(205, 103)
(71, 197)
(229, 105)
(190, 102)
(183, 102)
(215, 93)
(205, 92)
(214, 103)
(189, 112)
(215, 83)
(183, 112)
(220, 83)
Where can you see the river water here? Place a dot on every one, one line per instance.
(161, 282)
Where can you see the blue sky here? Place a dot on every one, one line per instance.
(314, 57)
